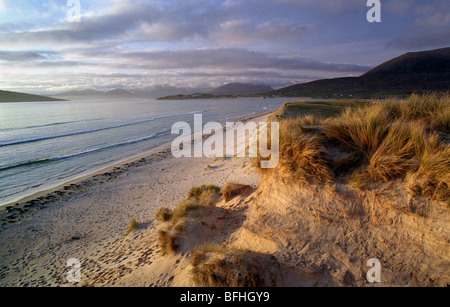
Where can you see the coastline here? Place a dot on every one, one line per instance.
(15, 211)
(87, 218)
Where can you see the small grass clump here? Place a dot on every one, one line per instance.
(133, 226)
(164, 214)
(232, 190)
(302, 157)
(168, 242)
(197, 192)
(177, 219)
(217, 266)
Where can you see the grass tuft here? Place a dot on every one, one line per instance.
(216, 266)
(196, 192)
(198, 198)
(164, 214)
(232, 190)
(133, 226)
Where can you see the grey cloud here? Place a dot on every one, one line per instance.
(431, 27)
(142, 21)
(134, 21)
(224, 59)
(229, 59)
(25, 56)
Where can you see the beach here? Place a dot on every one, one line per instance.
(274, 227)
(87, 220)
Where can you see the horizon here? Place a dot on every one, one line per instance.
(136, 45)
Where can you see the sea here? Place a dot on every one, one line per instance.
(45, 144)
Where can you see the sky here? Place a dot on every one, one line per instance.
(141, 44)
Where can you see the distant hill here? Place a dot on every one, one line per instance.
(411, 72)
(6, 96)
(236, 89)
(90, 94)
(87, 92)
(119, 93)
(167, 90)
(158, 91)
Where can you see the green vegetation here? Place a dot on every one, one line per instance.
(318, 109)
(6, 96)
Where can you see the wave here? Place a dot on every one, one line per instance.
(51, 124)
(25, 164)
(37, 126)
(136, 122)
(84, 152)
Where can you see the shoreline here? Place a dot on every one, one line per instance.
(16, 211)
(88, 221)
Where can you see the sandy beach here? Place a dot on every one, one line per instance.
(295, 234)
(87, 220)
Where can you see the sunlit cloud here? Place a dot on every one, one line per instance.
(194, 43)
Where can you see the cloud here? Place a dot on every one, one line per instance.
(225, 59)
(244, 31)
(144, 21)
(193, 41)
(20, 56)
(431, 27)
(229, 59)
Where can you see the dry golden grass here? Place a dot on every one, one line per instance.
(232, 190)
(363, 129)
(433, 177)
(397, 154)
(133, 226)
(196, 192)
(395, 137)
(432, 109)
(302, 157)
(198, 197)
(164, 214)
(168, 242)
(217, 266)
(412, 141)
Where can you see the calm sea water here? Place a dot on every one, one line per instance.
(44, 144)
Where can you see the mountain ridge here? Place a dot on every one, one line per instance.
(412, 72)
(236, 89)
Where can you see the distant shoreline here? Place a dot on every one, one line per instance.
(13, 97)
(210, 96)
